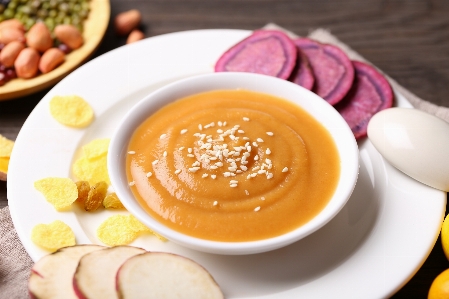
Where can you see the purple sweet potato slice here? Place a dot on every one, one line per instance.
(302, 73)
(332, 69)
(268, 52)
(369, 94)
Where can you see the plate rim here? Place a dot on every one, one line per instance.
(16, 219)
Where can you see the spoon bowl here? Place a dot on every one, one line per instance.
(415, 142)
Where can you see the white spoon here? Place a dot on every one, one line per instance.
(415, 142)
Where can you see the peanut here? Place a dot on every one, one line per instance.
(14, 23)
(50, 60)
(135, 36)
(9, 34)
(69, 35)
(126, 21)
(10, 52)
(27, 63)
(39, 37)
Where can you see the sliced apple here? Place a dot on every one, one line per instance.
(95, 275)
(52, 276)
(165, 275)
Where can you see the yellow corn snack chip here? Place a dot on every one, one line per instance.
(122, 230)
(60, 192)
(71, 111)
(96, 148)
(111, 201)
(92, 165)
(93, 171)
(116, 230)
(53, 236)
(141, 228)
(6, 146)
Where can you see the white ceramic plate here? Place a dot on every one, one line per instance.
(369, 250)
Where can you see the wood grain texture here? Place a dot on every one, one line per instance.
(407, 39)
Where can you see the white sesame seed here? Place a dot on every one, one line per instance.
(194, 169)
(255, 144)
(213, 176)
(163, 136)
(269, 175)
(285, 169)
(164, 154)
(259, 140)
(131, 152)
(241, 131)
(219, 131)
(197, 163)
(233, 182)
(246, 192)
(248, 176)
(190, 155)
(232, 174)
(255, 168)
(262, 198)
(244, 162)
(215, 203)
(261, 171)
(149, 174)
(205, 175)
(200, 127)
(246, 119)
(233, 185)
(132, 183)
(177, 171)
(268, 151)
(248, 148)
(232, 168)
(268, 161)
(224, 124)
(256, 157)
(220, 123)
(183, 131)
(181, 148)
(227, 174)
(256, 209)
(270, 133)
(213, 167)
(243, 167)
(155, 162)
(245, 138)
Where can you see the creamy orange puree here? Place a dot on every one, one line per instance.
(232, 166)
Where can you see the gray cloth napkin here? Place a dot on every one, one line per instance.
(15, 264)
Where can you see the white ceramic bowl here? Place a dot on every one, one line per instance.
(314, 105)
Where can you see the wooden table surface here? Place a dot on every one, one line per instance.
(407, 39)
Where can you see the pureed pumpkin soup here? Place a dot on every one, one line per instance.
(232, 165)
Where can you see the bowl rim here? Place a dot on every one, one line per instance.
(322, 111)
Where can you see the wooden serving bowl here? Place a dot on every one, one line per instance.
(94, 29)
